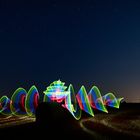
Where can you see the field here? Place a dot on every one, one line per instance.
(118, 123)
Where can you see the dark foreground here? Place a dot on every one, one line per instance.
(52, 121)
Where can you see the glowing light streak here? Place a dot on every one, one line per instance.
(24, 103)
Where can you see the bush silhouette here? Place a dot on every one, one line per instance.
(53, 115)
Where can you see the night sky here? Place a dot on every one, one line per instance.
(85, 42)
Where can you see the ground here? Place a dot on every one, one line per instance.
(118, 123)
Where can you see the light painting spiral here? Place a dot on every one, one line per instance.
(25, 103)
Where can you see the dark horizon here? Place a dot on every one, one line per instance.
(79, 42)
